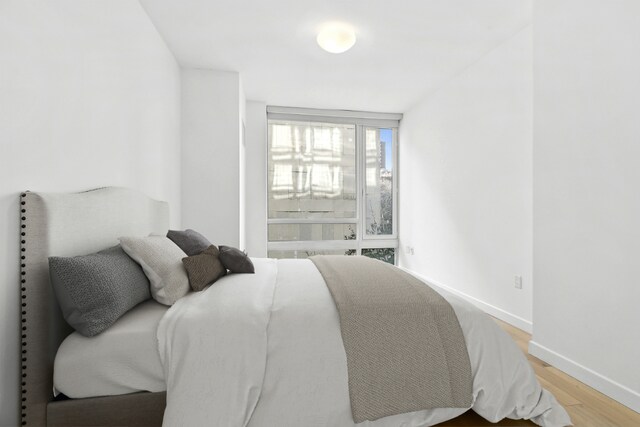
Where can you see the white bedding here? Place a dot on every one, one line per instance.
(123, 359)
(265, 350)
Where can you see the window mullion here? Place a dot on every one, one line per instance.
(360, 181)
(312, 220)
(396, 185)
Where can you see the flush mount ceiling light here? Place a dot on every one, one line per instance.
(336, 37)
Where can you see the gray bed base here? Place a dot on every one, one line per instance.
(137, 409)
(69, 224)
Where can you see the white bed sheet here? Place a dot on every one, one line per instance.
(123, 359)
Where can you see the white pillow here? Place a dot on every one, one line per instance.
(161, 261)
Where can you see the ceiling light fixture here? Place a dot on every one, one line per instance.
(336, 37)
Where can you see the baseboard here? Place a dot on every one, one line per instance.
(605, 385)
(501, 314)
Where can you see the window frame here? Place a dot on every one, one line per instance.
(361, 120)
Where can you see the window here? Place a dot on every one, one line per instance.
(332, 186)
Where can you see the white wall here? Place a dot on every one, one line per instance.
(212, 109)
(586, 192)
(465, 182)
(256, 179)
(89, 97)
(242, 159)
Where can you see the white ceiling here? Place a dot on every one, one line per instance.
(405, 49)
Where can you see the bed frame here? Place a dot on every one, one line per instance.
(69, 224)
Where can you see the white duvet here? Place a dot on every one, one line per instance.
(265, 350)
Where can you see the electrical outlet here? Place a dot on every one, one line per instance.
(517, 281)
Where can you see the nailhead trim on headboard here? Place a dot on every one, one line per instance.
(23, 296)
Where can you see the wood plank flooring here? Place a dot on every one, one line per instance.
(586, 406)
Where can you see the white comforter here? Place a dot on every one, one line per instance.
(265, 350)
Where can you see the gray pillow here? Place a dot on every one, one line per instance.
(96, 290)
(204, 268)
(235, 260)
(190, 241)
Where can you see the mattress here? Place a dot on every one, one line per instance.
(123, 359)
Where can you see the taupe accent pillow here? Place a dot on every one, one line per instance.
(96, 290)
(161, 261)
(204, 268)
(235, 260)
(190, 241)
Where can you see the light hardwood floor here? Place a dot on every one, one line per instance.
(586, 406)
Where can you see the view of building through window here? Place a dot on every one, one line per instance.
(312, 170)
(331, 189)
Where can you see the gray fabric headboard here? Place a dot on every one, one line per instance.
(67, 224)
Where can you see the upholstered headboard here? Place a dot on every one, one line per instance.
(67, 224)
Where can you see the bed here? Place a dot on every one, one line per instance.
(280, 328)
